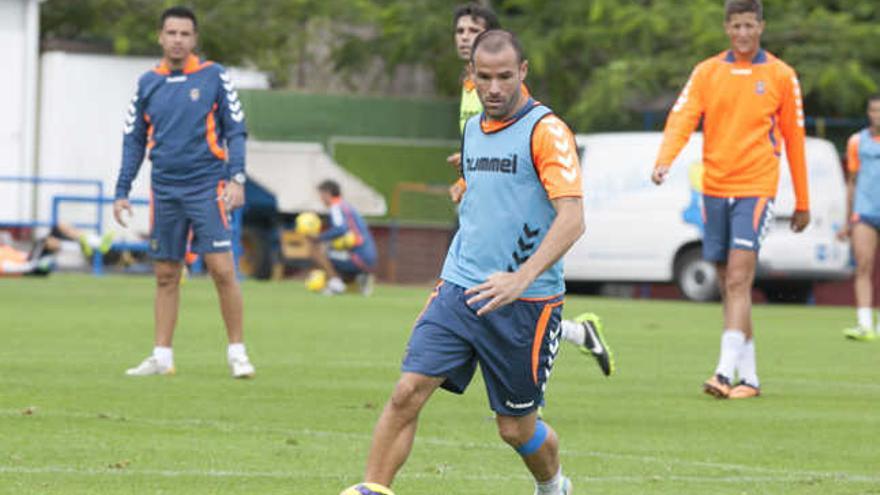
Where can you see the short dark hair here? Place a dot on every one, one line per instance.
(180, 12)
(732, 7)
(330, 187)
(476, 11)
(874, 97)
(495, 40)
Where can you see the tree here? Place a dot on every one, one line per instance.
(271, 35)
(597, 62)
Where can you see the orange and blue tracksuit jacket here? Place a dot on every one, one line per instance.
(749, 109)
(344, 219)
(191, 122)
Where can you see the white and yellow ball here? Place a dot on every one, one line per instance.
(316, 281)
(367, 489)
(344, 242)
(308, 223)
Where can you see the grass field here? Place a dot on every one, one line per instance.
(70, 422)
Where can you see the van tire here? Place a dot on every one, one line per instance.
(695, 277)
(788, 292)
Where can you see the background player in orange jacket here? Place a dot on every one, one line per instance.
(750, 102)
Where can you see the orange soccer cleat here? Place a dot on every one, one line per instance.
(744, 391)
(717, 386)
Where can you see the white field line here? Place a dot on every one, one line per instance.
(291, 475)
(442, 442)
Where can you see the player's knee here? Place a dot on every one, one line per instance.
(222, 274)
(405, 398)
(514, 432)
(737, 282)
(520, 435)
(167, 278)
(864, 267)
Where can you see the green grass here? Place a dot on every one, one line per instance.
(326, 365)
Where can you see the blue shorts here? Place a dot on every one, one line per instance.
(179, 216)
(869, 220)
(350, 262)
(514, 345)
(734, 223)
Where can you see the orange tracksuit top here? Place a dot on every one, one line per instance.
(748, 109)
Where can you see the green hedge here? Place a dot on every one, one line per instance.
(382, 166)
(293, 116)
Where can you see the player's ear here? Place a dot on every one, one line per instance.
(524, 69)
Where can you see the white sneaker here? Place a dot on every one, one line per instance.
(150, 366)
(241, 367)
(366, 282)
(334, 286)
(566, 487)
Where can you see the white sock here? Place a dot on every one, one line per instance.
(235, 351)
(732, 342)
(747, 366)
(551, 487)
(164, 355)
(866, 317)
(572, 332)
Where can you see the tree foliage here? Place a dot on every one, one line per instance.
(597, 62)
(271, 35)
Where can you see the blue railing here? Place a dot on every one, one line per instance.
(97, 257)
(99, 200)
(57, 181)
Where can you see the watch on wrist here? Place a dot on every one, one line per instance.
(239, 178)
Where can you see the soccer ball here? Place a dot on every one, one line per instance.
(367, 489)
(308, 223)
(316, 281)
(344, 242)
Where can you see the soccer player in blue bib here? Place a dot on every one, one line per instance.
(500, 298)
(186, 112)
(469, 20)
(863, 194)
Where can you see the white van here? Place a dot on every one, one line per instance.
(639, 232)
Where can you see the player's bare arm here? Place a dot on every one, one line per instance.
(503, 288)
(233, 195)
(800, 220)
(119, 206)
(846, 230)
(658, 176)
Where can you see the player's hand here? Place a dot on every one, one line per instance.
(844, 233)
(119, 206)
(800, 220)
(233, 196)
(454, 160)
(658, 176)
(501, 289)
(456, 192)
